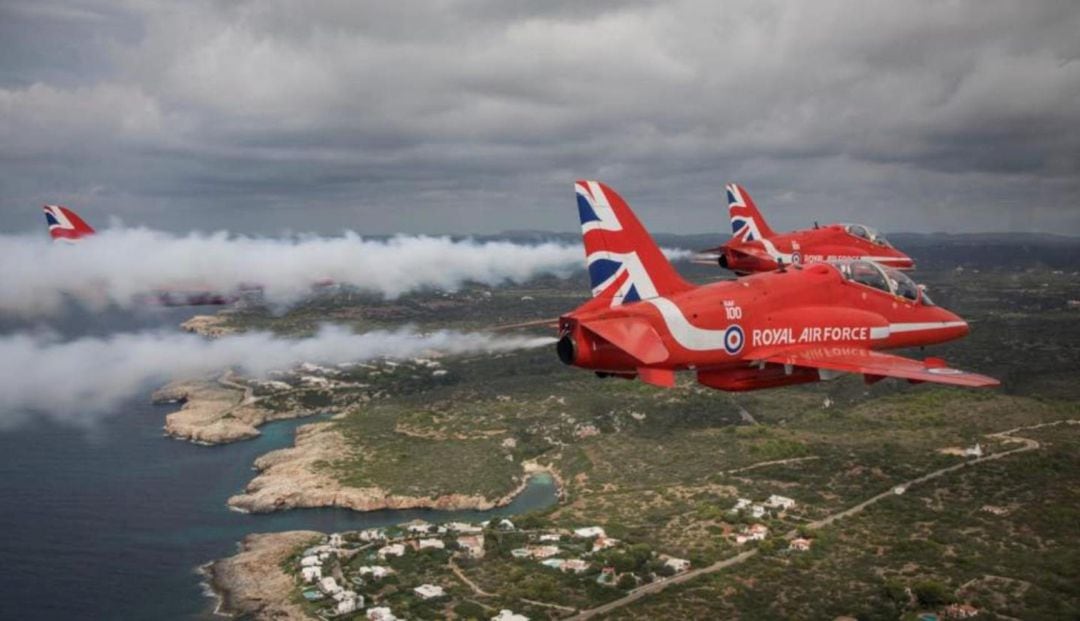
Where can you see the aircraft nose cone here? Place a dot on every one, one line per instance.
(960, 326)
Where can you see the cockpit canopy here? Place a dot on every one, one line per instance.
(882, 278)
(864, 232)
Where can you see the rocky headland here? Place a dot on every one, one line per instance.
(216, 411)
(210, 326)
(251, 584)
(297, 478)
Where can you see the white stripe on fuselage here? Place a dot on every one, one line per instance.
(694, 338)
(929, 325)
(686, 334)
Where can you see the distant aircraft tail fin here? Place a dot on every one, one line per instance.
(746, 221)
(625, 264)
(65, 224)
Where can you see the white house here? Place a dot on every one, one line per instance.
(372, 534)
(375, 571)
(677, 564)
(550, 537)
(473, 545)
(418, 527)
(380, 613)
(329, 586)
(741, 504)
(757, 511)
(310, 561)
(429, 591)
(509, 615)
(780, 502)
(464, 528)
(974, 451)
(589, 532)
(505, 524)
(311, 574)
(432, 544)
(348, 606)
(336, 541)
(543, 551)
(394, 549)
(575, 565)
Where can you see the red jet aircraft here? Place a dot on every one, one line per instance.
(796, 325)
(754, 247)
(66, 226)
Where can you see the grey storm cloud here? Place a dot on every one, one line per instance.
(476, 116)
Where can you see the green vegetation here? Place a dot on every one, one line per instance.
(662, 469)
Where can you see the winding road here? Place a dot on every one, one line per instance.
(1028, 444)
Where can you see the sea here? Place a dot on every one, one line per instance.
(111, 519)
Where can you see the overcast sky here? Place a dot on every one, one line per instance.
(476, 116)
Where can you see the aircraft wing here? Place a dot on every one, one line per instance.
(876, 365)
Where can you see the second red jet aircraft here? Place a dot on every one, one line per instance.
(755, 247)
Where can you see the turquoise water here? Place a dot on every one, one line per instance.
(110, 521)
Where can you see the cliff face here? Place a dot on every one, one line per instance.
(290, 478)
(252, 584)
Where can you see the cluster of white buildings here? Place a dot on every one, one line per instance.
(312, 560)
(548, 549)
(345, 601)
(758, 510)
(418, 535)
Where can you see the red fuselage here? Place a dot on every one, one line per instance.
(827, 243)
(723, 329)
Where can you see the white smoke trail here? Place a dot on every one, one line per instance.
(116, 266)
(75, 379)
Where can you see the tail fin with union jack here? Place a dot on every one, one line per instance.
(65, 225)
(746, 221)
(625, 264)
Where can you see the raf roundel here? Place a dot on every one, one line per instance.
(796, 258)
(733, 340)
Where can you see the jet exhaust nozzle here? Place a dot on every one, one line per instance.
(566, 349)
(723, 261)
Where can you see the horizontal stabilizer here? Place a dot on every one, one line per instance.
(874, 363)
(633, 335)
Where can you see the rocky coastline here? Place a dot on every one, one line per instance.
(210, 326)
(251, 584)
(216, 411)
(291, 478)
